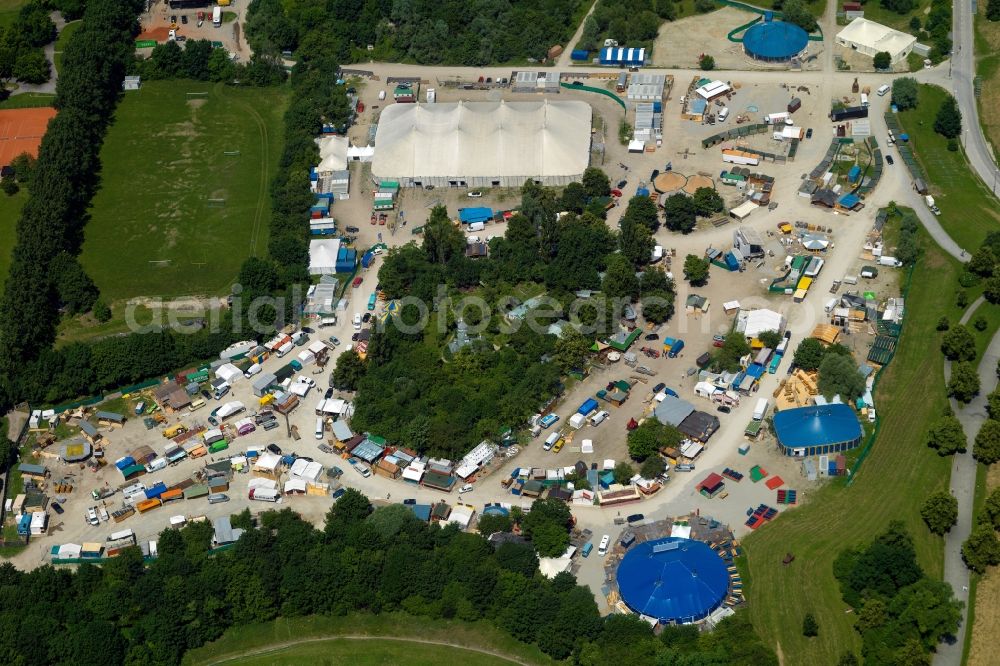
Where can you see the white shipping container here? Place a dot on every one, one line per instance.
(760, 409)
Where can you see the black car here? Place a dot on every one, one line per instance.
(724, 409)
(653, 336)
(57, 508)
(274, 448)
(409, 501)
(184, 19)
(206, 395)
(652, 176)
(354, 337)
(328, 394)
(338, 492)
(622, 183)
(367, 318)
(173, 18)
(888, 158)
(353, 230)
(635, 517)
(809, 133)
(659, 387)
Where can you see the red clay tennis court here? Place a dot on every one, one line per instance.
(21, 131)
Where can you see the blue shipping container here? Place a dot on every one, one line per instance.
(367, 259)
(676, 348)
(127, 461)
(657, 107)
(587, 407)
(156, 490)
(579, 54)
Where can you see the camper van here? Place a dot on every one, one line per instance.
(723, 114)
(327, 321)
(197, 403)
(760, 409)
(602, 550)
(550, 441)
(319, 427)
(882, 89)
(254, 369)
(830, 305)
(136, 490)
(598, 418)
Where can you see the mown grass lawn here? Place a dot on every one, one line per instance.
(175, 215)
(968, 209)
(900, 471)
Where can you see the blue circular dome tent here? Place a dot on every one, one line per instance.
(774, 41)
(817, 430)
(673, 580)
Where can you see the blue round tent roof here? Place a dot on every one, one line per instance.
(775, 40)
(673, 579)
(816, 425)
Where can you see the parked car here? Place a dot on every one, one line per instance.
(57, 508)
(548, 420)
(184, 19)
(334, 340)
(206, 395)
(355, 336)
(104, 514)
(328, 394)
(467, 488)
(725, 409)
(173, 18)
(474, 195)
(92, 516)
(367, 318)
(338, 492)
(635, 518)
(809, 133)
(352, 230)
(653, 336)
(308, 381)
(621, 184)
(888, 158)
(561, 442)
(357, 282)
(659, 387)
(274, 448)
(650, 352)
(616, 193)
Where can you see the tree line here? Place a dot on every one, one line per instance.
(439, 32)
(45, 275)
(200, 61)
(362, 560)
(21, 55)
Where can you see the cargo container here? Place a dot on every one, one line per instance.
(579, 55)
(849, 113)
(676, 348)
(577, 421)
(156, 490)
(195, 491)
(221, 445)
(760, 409)
(122, 535)
(171, 495)
(587, 407)
(147, 505)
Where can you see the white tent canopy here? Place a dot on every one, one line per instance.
(483, 143)
(869, 38)
(332, 154)
(323, 256)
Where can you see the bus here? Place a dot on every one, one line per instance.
(371, 302)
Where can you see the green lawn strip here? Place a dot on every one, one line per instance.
(991, 313)
(835, 517)
(28, 101)
(480, 635)
(124, 319)
(968, 209)
(9, 10)
(10, 211)
(158, 226)
(370, 652)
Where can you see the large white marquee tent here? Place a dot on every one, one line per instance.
(483, 144)
(869, 38)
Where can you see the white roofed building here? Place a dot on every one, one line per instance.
(323, 256)
(752, 323)
(483, 144)
(869, 38)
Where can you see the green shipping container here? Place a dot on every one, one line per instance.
(221, 445)
(198, 490)
(145, 43)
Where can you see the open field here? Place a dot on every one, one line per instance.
(885, 490)
(175, 215)
(62, 40)
(8, 11)
(28, 101)
(874, 11)
(10, 211)
(477, 639)
(968, 210)
(987, 36)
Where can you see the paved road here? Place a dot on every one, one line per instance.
(963, 487)
(50, 54)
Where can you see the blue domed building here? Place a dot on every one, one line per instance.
(774, 41)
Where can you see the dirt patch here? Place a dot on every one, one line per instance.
(681, 43)
(196, 102)
(987, 626)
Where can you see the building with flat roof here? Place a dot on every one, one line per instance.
(869, 38)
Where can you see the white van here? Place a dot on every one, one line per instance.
(864, 100)
(476, 226)
(882, 89)
(550, 441)
(254, 369)
(723, 114)
(830, 305)
(319, 428)
(602, 550)
(357, 321)
(327, 321)
(598, 418)
(760, 409)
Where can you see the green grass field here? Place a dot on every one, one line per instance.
(154, 229)
(371, 652)
(900, 471)
(62, 40)
(10, 211)
(8, 11)
(968, 210)
(28, 101)
(237, 645)
(875, 12)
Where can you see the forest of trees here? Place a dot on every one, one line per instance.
(362, 560)
(443, 32)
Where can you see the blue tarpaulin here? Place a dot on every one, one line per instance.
(849, 200)
(127, 461)
(470, 215)
(587, 407)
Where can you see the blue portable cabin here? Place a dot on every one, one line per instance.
(587, 407)
(125, 462)
(321, 206)
(156, 490)
(629, 57)
(313, 176)
(854, 174)
(347, 259)
(579, 55)
(325, 195)
(367, 259)
(477, 214)
(732, 263)
(657, 107)
(676, 348)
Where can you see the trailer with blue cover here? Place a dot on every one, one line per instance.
(477, 214)
(156, 490)
(588, 406)
(676, 348)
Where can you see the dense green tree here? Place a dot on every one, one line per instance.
(77, 292)
(493, 522)
(958, 344)
(798, 13)
(547, 525)
(650, 437)
(596, 182)
(983, 261)
(982, 549)
(839, 375)
(809, 354)
(623, 471)
(32, 67)
(620, 280)
(574, 198)
(652, 467)
(696, 270)
(770, 339)
(706, 62)
(986, 447)
(102, 312)
(898, 6)
(991, 289)
(636, 242)
(707, 201)
(993, 10)
(905, 93)
(810, 627)
(964, 382)
(948, 121)
(442, 240)
(939, 511)
(349, 371)
(945, 435)
(679, 213)
(572, 349)
(882, 60)
(734, 348)
(24, 166)
(657, 296)
(641, 210)
(33, 25)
